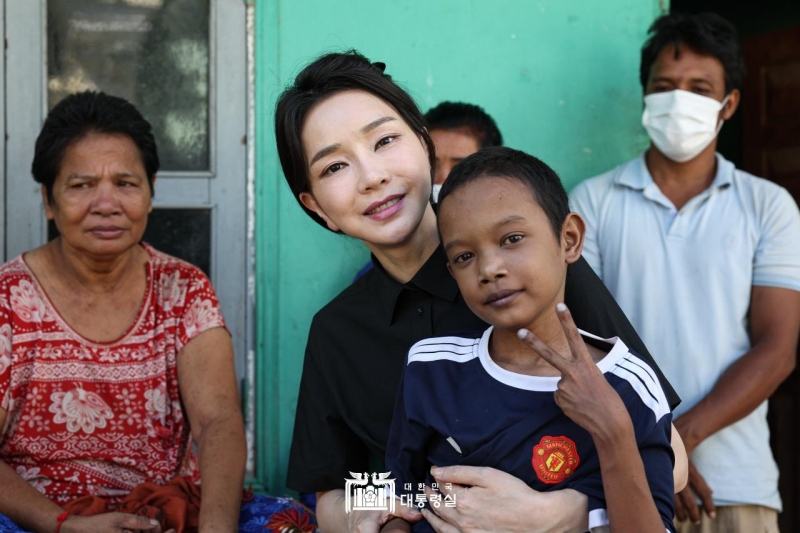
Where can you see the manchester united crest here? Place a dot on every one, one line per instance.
(555, 459)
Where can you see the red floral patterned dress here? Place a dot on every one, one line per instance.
(96, 418)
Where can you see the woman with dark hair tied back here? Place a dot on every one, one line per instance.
(115, 361)
(358, 159)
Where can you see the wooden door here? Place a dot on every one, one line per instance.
(771, 103)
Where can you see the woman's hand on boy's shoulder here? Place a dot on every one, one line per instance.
(583, 392)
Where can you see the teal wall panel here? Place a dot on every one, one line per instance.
(559, 77)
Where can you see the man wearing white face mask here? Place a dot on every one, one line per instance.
(705, 260)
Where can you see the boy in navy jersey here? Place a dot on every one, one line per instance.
(531, 395)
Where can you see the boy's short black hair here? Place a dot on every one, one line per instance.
(458, 115)
(83, 113)
(705, 33)
(508, 163)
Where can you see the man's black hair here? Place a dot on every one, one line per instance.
(83, 113)
(458, 115)
(705, 33)
(511, 164)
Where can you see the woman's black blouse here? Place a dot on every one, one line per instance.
(357, 349)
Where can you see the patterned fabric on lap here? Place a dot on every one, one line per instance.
(262, 514)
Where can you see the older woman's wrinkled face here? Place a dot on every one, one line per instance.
(101, 196)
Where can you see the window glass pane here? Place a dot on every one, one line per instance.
(184, 233)
(154, 53)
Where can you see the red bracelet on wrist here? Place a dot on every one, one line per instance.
(60, 520)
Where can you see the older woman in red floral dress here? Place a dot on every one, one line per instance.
(114, 357)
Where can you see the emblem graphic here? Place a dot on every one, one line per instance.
(555, 459)
(361, 494)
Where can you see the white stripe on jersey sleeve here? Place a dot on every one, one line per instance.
(650, 392)
(598, 521)
(654, 385)
(458, 349)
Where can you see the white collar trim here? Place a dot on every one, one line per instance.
(542, 383)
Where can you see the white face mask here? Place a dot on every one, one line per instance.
(681, 124)
(435, 192)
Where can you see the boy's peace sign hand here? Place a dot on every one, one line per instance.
(583, 392)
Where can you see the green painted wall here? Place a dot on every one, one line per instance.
(560, 78)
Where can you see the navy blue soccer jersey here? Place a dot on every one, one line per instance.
(456, 406)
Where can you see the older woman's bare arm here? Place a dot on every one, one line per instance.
(30, 509)
(207, 382)
(21, 502)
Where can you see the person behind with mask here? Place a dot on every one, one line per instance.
(458, 130)
(704, 259)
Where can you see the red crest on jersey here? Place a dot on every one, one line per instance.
(555, 459)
